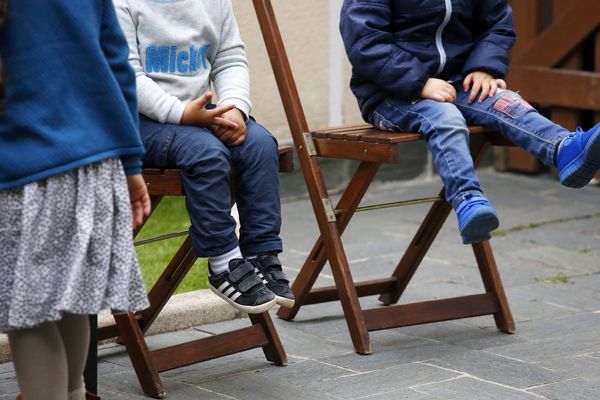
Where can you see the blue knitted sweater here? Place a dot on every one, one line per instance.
(70, 92)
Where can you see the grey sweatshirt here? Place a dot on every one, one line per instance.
(178, 48)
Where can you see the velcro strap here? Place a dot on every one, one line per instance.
(270, 261)
(249, 282)
(239, 272)
(278, 275)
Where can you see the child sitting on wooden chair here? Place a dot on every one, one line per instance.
(434, 67)
(178, 49)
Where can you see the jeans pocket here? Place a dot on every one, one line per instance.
(382, 123)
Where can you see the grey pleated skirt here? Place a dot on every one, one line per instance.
(66, 246)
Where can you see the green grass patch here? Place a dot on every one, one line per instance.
(170, 216)
(558, 278)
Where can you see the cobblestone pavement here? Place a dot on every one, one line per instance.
(548, 253)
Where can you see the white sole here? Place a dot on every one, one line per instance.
(287, 303)
(247, 309)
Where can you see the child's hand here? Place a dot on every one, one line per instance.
(438, 90)
(484, 82)
(196, 114)
(231, 136)
(138, 196)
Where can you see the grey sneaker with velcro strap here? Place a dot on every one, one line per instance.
(269, 269)
(242, 288)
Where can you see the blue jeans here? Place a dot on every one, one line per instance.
(207, 167)
(444, 126)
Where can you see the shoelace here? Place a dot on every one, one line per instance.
(571, 136)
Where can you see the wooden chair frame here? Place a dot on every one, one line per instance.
(372, 148)
(130, 328)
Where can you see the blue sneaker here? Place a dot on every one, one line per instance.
(476, 219)
(578, 159)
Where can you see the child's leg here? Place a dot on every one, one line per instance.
(40, 362)
(517, 120)
(256, 165)
(577, 155)
(206, 165)
(445, 130)
(75, 333)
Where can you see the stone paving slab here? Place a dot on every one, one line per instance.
(548, 253)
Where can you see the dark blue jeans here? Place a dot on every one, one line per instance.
(444, 126)
(207, 167)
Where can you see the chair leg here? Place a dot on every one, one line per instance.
(418, 248)
(90, 373)
(305, 280)
(274, 351)
(132, 338)
(493, 283)
(347, 291)
(168, 282)
(315, 261)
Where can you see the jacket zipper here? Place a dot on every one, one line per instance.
(438, 37)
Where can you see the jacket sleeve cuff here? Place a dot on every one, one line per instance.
(176, 113)
(132, 164)
(489, 58)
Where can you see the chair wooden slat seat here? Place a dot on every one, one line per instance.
(167, 182)
(365, 143)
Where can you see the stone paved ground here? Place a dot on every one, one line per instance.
(548, 252)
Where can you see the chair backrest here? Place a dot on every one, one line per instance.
(281, 69)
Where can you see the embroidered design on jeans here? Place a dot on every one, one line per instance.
(512, 106)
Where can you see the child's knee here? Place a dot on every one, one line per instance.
(447, 117)
(261, 141)
(207, 158)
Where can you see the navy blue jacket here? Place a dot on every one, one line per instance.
(394, 46)
(70, 92)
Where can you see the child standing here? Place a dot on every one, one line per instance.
(179, 48)
(434, 67)
(68, 137)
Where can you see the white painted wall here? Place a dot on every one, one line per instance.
(316, 53)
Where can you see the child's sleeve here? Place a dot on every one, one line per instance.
(229, 73)
(495, 37)
(115, 50)
(153, 101)
(371, 48)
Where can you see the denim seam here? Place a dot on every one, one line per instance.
(552, 142)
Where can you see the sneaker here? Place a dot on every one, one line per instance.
(578, 159)
(476, 219)
(268, 268)
(242, 288)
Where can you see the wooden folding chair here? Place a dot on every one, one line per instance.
(130, 328)
(372, 148)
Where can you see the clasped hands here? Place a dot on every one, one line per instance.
(477, 82)
(225, 122)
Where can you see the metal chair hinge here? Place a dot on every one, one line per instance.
(310, 144)
(329, 210)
